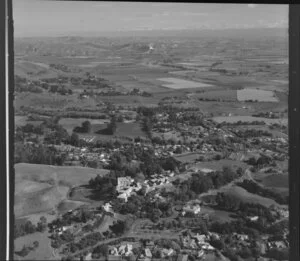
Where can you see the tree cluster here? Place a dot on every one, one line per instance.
(255, 188)
(85, 127)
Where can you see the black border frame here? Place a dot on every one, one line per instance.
(294, 126)
(294, 129)
(3, 142)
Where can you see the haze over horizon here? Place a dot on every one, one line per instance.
(35, 18)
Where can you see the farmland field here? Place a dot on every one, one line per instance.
(130, 130)
(70, 123)
(221, 95)
(175, 83)
(234, 119)
(256, 95)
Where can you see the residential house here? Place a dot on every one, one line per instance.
(191, 208)
(124, 183)
(167, 252)
(148, 252)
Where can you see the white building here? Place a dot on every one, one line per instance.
(124, 183)
(108, 207)
(194, 209)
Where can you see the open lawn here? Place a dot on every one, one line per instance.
(66, 205)
(66, 176)
(70, 123)
(43, 100)
(130, 130)
(245, 196)
(274, 180)
(41, 188)
(217, 215)
(256, 95)
(43, 252)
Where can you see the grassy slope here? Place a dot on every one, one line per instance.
(40, 188)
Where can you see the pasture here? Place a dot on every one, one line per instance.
(245, 196)
(41, 188)
(235, 119)
(70, 123)
(216, 215)
(274, 180)
(220, 95)
(176, 83)
(43, 252)
(256, 95)
(129, 130)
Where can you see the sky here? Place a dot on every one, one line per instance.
(54, 18)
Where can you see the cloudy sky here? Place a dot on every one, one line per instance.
(50, 18)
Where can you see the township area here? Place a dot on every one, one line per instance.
(152, 148)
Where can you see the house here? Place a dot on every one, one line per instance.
(125, 250)
(200, 238)
(148, 253)
(201, 253)
(167, 252)
(241, 236)
(107, 207)
(124, 182)
(255, 218)
(150, 244)
(206, 170)
(207, 246)
(279, 244)
(194, 209)
(88, 256)
(126, 194)
(114, 251)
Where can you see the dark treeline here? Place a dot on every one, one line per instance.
(255, 188)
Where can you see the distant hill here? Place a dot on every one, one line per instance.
(236, 33)
(135, 42)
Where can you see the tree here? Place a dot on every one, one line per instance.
(86, 126)
(147, 126)
(29, 227)
(103, 250)
(42, 224)
(35, 244)
(112, 126)
(74, 139)
(139, 177)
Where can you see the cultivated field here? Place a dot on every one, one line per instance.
(220, 95)
(234, 119)
(256, 95)
(175, 83)
(70, 123)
